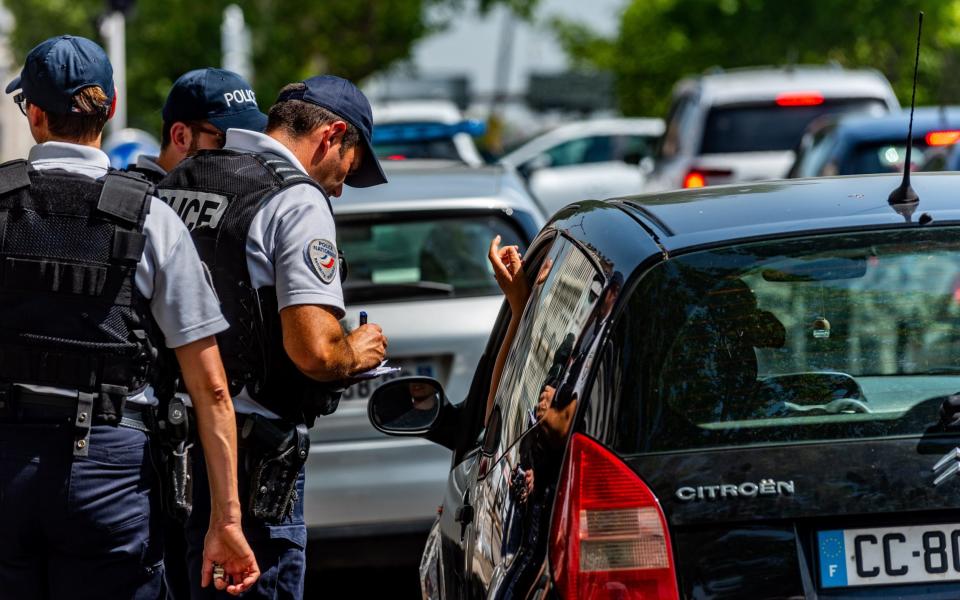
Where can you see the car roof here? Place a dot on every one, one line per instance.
(765, 83)
(688, 219)
(435, 185)
(858, 127)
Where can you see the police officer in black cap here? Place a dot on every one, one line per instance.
(263, 224)
(201, 106)
(98, 274)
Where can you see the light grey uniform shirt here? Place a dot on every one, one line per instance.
(291, 244)
(170, 274)
(149, 163)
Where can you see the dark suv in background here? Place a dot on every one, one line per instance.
(859, 145)
(733, 392)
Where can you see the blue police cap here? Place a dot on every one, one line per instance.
(60, 67)
(218, 96)
(343, 99)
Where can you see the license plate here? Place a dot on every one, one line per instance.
(889, 555)
(364, 389)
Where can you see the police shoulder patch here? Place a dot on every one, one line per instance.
(322, 257)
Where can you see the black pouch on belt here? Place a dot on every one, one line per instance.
(276, 451)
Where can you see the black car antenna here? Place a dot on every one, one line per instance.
(904, 199)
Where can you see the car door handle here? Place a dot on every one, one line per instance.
(464, 515)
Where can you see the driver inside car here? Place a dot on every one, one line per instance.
(713, 364)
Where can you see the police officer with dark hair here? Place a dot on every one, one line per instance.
(201, 106)
(266, 231)
(98, 275)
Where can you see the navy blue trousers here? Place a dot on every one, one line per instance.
(279, 548)
(78, 528)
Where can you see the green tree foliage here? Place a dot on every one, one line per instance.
(291, 39)
(660, 41)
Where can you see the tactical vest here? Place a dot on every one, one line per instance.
(217, 193)
(151, 175)
(72, 316)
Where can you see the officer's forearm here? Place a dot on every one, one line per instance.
(206, 383)
(315, 342)
(332, 361)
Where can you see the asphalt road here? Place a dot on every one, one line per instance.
(393, 583)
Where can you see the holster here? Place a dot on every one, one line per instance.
(173, 441)
(276, 452)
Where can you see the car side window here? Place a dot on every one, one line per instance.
(679, 127)
(814, 161)
(565, 290)
(582, 150)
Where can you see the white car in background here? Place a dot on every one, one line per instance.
(587, 159)
(425, 129)
(416, 251)
(744, 124)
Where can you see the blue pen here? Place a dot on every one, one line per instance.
(363, 317)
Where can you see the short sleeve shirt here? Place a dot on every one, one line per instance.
(169, 273)
(292, 243)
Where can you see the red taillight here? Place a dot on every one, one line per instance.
(799, 99)
(694, 179)
(698, 178)
(942, 138)
(396, 157)
(609, 538)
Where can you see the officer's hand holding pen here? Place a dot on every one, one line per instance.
(369, 345)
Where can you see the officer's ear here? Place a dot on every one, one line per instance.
(181, 136)
(337, 129)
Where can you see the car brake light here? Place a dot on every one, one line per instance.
(694, 179)
(396, 157)
(942, 138)
(799, 99)
(698, 178)
(609, 537)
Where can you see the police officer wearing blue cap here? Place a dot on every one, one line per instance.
(98, 276)
(201, 106)
(263, 224)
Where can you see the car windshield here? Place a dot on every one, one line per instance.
(769, 127)
(828, 337)
(393, 257)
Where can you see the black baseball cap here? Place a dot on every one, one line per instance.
(343, 99)
(58, 68)
(218, 96)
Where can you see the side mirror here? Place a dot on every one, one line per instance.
(406, 406)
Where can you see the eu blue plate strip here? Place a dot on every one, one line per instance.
(833, 561)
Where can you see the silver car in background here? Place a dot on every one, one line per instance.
(417, 264)
(743, 124)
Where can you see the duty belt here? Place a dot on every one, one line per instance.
(22, 405)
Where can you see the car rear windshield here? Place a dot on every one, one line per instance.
(396, 257)
(769, 127)
(821, 338)
(443, 149)
(884, 157)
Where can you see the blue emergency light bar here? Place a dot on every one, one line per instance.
(392, 133)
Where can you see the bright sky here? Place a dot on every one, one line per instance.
(470, 45)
